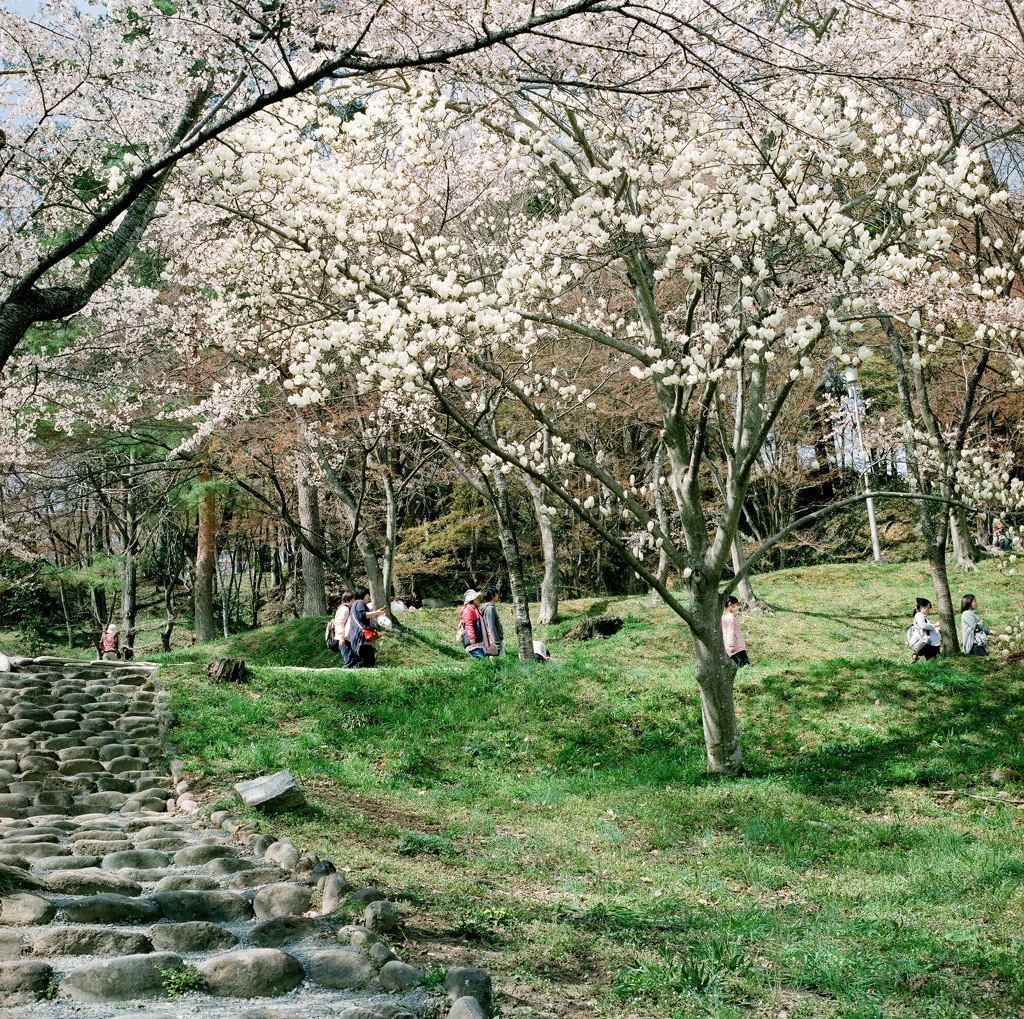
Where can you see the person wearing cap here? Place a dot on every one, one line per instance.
(472, 624)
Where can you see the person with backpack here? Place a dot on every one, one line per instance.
(924, 637)
(471, 625)
(109, 644)
(732, 634)
(494, 633)
(362, 634)
(337, 630)
(973, 630)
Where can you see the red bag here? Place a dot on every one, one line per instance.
(371, 635)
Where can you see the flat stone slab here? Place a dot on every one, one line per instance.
(272, 793)
(133, 976)
(252, 973)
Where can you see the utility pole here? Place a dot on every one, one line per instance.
(853, 391)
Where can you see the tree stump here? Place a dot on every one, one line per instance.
(599, 626)
(227, 670)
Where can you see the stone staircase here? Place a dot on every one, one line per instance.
(120, 897)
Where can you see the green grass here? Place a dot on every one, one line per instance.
(556, 823)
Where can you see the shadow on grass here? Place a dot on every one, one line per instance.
(965, 723)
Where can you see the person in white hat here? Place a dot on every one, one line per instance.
(108, 644)
(471, 629)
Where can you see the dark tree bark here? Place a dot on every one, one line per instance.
(314, 596)
(514, 561)
(206, 563)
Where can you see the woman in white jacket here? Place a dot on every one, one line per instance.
(928, 630)
(974, 632)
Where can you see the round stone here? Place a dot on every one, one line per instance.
(196, 855)
(339, 968)
(252, 973)
(24, 982)
(187, 883)
(109, 908)
(284, 899)
(91, 881)
(91, 941)
(381, 916)
(141, 858)
(399, 977)
(24, 908)
(188, 905)
(194, 936)
(132, 976)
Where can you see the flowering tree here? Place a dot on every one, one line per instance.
(519, 248)
(101, 106)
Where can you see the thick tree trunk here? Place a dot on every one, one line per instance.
(130, 564)
(206, 563)
(314, 595)
(745, 589)
(549, 582)
(964, 548)
(374, 574)
(168, 627)
(715, 675)
(514, 561)
(129, 598)
(98, 607)
(390, 538)
(943, 598)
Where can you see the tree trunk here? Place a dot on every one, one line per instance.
(130, 565)
(98, 607)
(661, 510)
(943, 598)
(390, 536)
(745, 589)
(964, 548)
(67, 616)
(514, 561)
(314, 595)
(129, 599)
(549, 582)
(206, 563)
(168, 627)
(933, 531)
(715, 675)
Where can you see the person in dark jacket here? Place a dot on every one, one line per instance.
(494, 633)
(362, 633)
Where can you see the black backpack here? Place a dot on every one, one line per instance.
(330, 640)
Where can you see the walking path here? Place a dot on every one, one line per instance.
(117, 888)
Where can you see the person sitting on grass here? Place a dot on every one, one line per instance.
(930, 631)
(541, 652)
(732, 633)
(973, 630)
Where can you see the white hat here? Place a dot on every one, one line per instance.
(469, 596)
(112, 628)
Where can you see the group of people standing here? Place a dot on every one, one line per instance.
(925, 637)
(353, 632)
(480, 631)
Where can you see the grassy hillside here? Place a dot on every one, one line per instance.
(556, 824)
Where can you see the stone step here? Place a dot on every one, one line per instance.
(132, 894)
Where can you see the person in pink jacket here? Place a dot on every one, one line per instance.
(732, 632)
